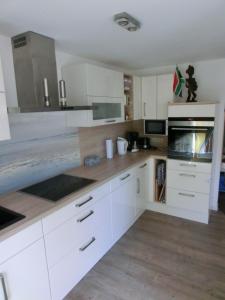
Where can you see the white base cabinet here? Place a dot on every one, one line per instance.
(75, 246)
(25, 275)
(123, 205)
(143, 187)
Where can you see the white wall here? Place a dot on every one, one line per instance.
(210, 76)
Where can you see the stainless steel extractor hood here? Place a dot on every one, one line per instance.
(34, 60)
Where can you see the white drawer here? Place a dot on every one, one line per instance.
(19, 241)
(77, 231)
(123, 178)
(189, 166)
(85, 253)
(190, 181)
(188, 200)
(80, 204)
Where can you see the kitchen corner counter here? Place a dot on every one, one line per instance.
(34, 208)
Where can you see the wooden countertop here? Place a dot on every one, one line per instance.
(35, 208)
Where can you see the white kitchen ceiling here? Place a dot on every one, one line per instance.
(173, 31)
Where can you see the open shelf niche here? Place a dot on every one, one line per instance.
(128, 97)
(160, 181)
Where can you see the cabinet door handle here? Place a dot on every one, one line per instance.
(125, 177)
(88, 244)
(187, 165)
(2, 280)
(187, 195)
(143, 166)
(85, 217)
(138, 186)
(84, 202)
(110, 121)
(144, 109)
(187, 175)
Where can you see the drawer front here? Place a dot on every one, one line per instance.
(122, 179)
(181, 165)
(77, 231)
(19, 241)
(190, 181)
(80, 204)
(188, 200)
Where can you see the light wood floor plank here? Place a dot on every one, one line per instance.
(161, 258)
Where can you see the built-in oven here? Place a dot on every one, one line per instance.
(190, 139)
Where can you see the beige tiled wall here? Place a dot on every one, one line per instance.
(92, 140)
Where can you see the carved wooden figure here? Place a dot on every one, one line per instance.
(191, 84)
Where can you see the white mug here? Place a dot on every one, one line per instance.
(122, 147)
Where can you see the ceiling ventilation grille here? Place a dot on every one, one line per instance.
(20, 42)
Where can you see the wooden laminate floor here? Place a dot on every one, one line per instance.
(161, 258)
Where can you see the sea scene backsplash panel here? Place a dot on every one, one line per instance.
(41, 146)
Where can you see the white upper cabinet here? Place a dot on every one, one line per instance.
(156, 93)
(89, 80)
(104, 82)
(2, 85)
(4, 122)
(164, 94)
(149, 97)
(137, 98)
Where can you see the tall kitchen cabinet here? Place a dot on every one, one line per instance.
(4, 122)
(156, 93)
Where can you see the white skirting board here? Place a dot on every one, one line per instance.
(178, 212)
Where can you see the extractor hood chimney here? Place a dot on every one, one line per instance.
(35, 71)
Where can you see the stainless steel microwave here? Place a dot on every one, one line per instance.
(156, 127)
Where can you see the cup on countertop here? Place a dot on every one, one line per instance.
(109, 148)
(122, 146)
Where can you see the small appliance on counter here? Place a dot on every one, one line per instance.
(156, 127)
(132, 138)
(144, 143)
(122, 146)
(109, 148)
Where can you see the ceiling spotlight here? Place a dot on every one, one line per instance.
(126, 21)
(123, 22)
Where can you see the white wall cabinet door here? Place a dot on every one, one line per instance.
(164, 94)
(156, 93)
(4, 121)
(137, 98)
(123, 208)
(149, 97)
(25, 275)
(104, 82)
(2, 84)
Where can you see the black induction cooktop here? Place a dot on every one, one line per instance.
(57, 187)
(8, 217)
